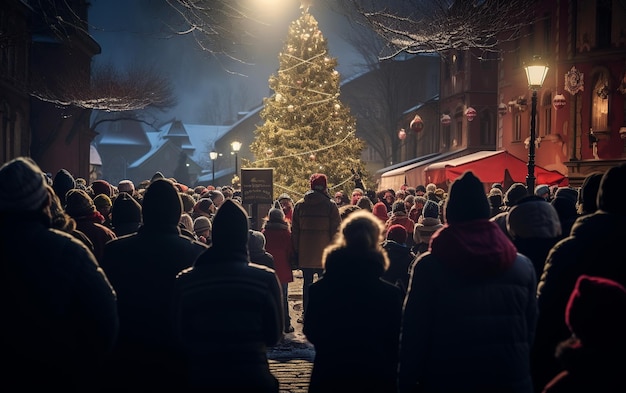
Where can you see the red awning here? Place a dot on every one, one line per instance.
(491, 167)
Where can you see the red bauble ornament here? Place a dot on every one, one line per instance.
(470, 113)
(402, 134)
(417, 124)
(312, 157)
(558, 101)
(446, 119)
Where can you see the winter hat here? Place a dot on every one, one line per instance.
(284, 196)
(256, 242)
(533, 217)
(467, 200)
(318, 182)
(276, 214)
(542, 189)
(203, 206)
(588, 194)
(201, 224)
(397, 233)
(568, 193)
(516, 192)
(420, 188)
(125, 210)
(157, 175)
(188, 202)
(612, 190)
(22, 186)
(81, 183)
(380, 211)
(216, 196)
(101, 187)
(78, 203)
(161, 204)
(126, 186)
(398, 207)
(595, 311)
(102, 201)
(62, 183)
(497, 186)
(230, 228)
(430, 209)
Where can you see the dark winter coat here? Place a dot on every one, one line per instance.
(59, 317)
(227, 312)
(314, 224)
(400, 258)
(353, 319)
(99, 234)
(469, 315)
(142, 267)
(278, 243)
(595, 247)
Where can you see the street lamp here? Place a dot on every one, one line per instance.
(236, 145)
(535, 73)
(213, 155)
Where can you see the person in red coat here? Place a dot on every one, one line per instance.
(278, 243)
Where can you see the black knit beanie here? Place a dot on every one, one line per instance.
(62, 183)
(588, 194)
(161, 204)
(125, 210)
(467, 200)
(612, 190)
(230, 228)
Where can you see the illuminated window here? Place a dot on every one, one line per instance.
(600, 102)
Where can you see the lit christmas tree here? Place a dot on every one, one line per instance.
(306, 127)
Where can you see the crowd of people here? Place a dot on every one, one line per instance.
(163, 286)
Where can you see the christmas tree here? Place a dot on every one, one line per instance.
(306, 127)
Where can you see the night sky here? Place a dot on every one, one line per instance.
(132, 33)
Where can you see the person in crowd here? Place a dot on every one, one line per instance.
(277, 232)
(588, 194)
(228, 352)
(400, 195)
(420, 190)
(203, 207)
(341, 199)
(62, 221)
(400, 216)
(217, 198)
(593, 247)
(103, 205)
(142, 268)
(497, 186)
(126, 186)
(389, 197)
(185, 224)
(346, 210)
(125, 214)
(89, 221)
(415, 213)
(256, 249)
(534, 227)
(314, 224)
(357, 193)
(565, 203)
(380, 211)
(63, 182)
(400, 257)
(543, 191)
(426, 227)
(188, 202)
(409, 201)
(514, 193)
(365, 203)
(592, 357)
(286, 203)
(98, 187)
(352, 297)
(59, 310)
(456, 337)
(202, 229)
(496, 201)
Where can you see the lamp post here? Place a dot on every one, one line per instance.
(236, 145)
(535, 73)
(213, 155)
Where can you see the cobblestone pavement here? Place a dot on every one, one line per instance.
(291, 360)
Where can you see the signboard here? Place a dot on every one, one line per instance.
(257, 185)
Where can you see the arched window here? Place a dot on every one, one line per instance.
(487, 128)
(600, 102)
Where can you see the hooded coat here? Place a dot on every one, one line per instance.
(227, 311)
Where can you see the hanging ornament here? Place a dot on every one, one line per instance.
(558, 101)
(417, 124)
(402, 134)
(337, 107)
(279, 97)
(470, 113)
(269, 152)
(446, 119)
(574, 81)
(290, 108)
(502, 109)
(312, 157)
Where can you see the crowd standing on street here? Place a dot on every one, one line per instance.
(161, 285)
